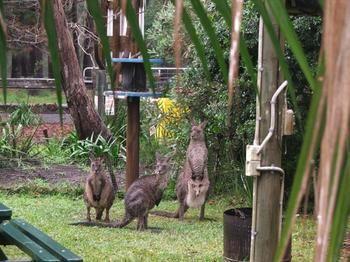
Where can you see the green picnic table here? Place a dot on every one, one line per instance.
(33, 242)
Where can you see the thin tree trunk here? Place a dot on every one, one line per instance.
(85, 118)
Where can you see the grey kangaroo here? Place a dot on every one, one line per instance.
(145, 193)
(99, 190)
(193, 182)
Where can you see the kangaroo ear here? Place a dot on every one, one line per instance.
(193, 122)
(203, 124)
(157, 156)
(91, 157)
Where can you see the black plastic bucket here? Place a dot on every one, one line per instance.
(237, 235)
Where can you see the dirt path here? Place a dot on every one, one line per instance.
(55, 175)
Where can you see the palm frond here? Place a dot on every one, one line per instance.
(224, 9)
(95, 11)
(133, 22)
(3, 48)
(261, 9)
(280, 14)
(208, 27)
(49, 23)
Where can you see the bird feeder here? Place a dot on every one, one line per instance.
(133, 80)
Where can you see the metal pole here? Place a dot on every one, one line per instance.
(100, 84)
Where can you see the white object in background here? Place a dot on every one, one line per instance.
(252, 160)
(109, 106)
(123, 25)
(288, 128)
(110, 17)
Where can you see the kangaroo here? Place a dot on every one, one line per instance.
(99, 191)
(193, 182)
(145, 193)
(197, 152)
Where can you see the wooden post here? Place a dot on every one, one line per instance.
(268, 184)
(132, 141)
(99, 82)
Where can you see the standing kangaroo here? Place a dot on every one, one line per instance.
(144, 193)
(99, 190)
(193, 182)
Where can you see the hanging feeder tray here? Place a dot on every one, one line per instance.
(133, 73)
(304, 7)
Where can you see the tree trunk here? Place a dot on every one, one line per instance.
(86, 120)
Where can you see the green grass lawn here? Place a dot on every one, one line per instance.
(17, 96)
(170, 240)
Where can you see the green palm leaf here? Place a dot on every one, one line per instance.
(3, 48)
(341, 214)
(133, 22)
(224, 9)
(196, 42)
(260, 7)
(308, 147)
(283, 20)
(208, 27)
(49, 22)
(95, 10)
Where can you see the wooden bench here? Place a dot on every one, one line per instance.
(5, 213)
(38, 245)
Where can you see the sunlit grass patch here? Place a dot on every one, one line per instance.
(166, 240)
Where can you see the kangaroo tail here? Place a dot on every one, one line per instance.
(112, 176)
(94, 224)
(126, 220)
(165, 214)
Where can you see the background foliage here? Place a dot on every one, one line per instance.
(208, 99)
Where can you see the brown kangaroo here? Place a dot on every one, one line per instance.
(144, 193)
(99, 191)
(193, 182)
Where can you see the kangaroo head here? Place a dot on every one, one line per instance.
(197, 131)
(196, 186)
(96, 164)
(162, 165)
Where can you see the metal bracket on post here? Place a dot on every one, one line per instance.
(273, 115)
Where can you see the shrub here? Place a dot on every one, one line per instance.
(24, 116)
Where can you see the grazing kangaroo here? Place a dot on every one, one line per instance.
(99, 190)
(145, 193)
(193, 182)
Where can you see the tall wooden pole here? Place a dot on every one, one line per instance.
(268, 184)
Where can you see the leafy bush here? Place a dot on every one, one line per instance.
(93, 145)
(24, 116)
(15, 148)
(207, 98)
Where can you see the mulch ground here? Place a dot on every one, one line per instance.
(43, 131)
(11, 177)
(75, 176)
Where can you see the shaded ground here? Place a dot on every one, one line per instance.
(10, 177)
(54, 175)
